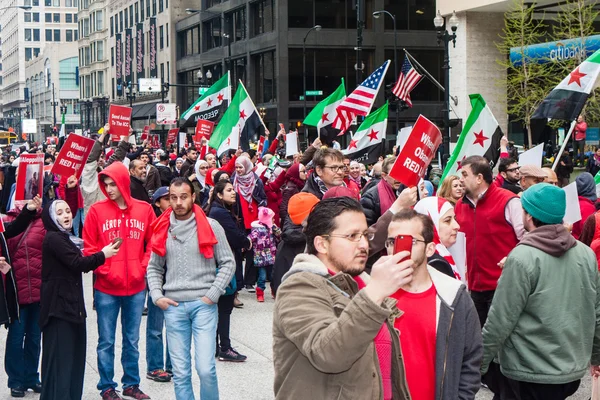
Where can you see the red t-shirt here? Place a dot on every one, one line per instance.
(417, 328)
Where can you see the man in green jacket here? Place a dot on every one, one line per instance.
(542, 322)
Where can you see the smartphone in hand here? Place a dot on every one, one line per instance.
(117, 241)
(403, 243)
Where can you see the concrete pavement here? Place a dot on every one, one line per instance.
(250, 335)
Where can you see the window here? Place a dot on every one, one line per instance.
(210, 3)
(99, 20)
(56, 3)
(48, 35)
(100, 82)
(27, 17)
(69, 35)
(57, 35)
(36, 35)
(126, 18)
(264, 77)
(100, 51)
(236, 24)
(36, 51)
(142, 10)
(263, 16)
(76, 35)
(162, 71)
(160, 6)
(137, 12)
(148, 9)
(27, 3)
(36, 17)
(112, 56)
(35, 3)
(121, 21)
(131, 15)
(56, 18)
(212, 33)
(28, 35)
(68, 3)
(167, 29)
(86, 27)
(112, 31)
(48, 17)
(153, 7)
(74, 17)
(188, 42)
(48, 3)
(69, 18)
(161, 36)
(28, 53)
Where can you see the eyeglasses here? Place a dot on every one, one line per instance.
(391, 240)
(353, 237)
(335, 168)
(513, 169)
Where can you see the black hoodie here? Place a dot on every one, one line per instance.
(62, 265)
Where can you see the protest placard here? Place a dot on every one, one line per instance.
(30, 176)
(73, 156)
(119, 121)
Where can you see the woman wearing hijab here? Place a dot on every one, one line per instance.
(355, 175)
(62, 315)
(446, 229)
(199, 182)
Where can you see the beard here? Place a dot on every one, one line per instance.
(354, 269)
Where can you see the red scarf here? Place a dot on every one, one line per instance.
(206, 236)
(386, 195)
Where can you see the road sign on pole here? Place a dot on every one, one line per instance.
(149, 85)
(166, 113)
(314, 93)
(202, 90)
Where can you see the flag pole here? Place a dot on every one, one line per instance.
(253, 105)
(425, 72)
(562, 148)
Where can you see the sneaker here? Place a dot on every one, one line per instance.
(250, 288)
(37, 388)
(232, 356)
(158, 375)
(111, 394)
(134, 392)
(169, 372)
(17, 392)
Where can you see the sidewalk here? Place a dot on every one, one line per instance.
(250, 335)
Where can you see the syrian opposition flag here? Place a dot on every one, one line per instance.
(210, 106)
(480, 137)
(323, 114)
(566, 100)
(365, 145)
(239, 123)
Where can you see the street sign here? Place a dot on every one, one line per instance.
(314, 93)
(202, 90)
(29, 126)
(301, 98)
(151, 85)
(166, 113)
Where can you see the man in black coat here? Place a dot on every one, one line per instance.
(187, 168)
(371, 202)
(9, 305)
(164, 171)
(137, 172)
(509, 168)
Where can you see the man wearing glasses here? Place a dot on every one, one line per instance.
(328, 173)
(333, 333)
(441, 337)
(509, 169)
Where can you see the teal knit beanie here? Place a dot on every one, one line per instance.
(545, 202)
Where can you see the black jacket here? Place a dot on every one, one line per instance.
(165, 173)
(293, 242)
(62, 265)
(236, 234)
(138, 191)
(287, 192)
(9, 303)
(371, 205)
(566, 170)
(187, 168)
(438, 262)
(312, 186)
(516, 189)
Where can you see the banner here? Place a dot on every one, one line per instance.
(139, 51)
(30, 179)
(119, 118)
(128, 56)
(145, 132)
(172, 136)
(152, 48)
(411, 165)
(73, 156)
(119, 63)
(155, 141)
(204, 128)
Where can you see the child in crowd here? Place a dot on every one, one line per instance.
(265, 236)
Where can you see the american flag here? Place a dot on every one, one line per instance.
(408, 79)
(360, 100)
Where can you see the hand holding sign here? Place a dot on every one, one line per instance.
(72, 182)
(35, 204)
(4, 266)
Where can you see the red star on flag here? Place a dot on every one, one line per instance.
(576, 77)
(324, 117)
(480, 139)
(243, 114)
(197, 108)
(352, 144)
(460, 163)
(209, 102)
(372, 135)
(220, 97)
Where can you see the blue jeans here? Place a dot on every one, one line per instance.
(155, 354)
(107, 310)
(23, 348)
(78, 219)
(198, 320)
(262, 277)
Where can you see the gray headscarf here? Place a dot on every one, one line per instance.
(77, 241)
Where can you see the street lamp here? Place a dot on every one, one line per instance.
(314, 28)
(130, 93)
(376, 15)
(228, 37)
(444, 36)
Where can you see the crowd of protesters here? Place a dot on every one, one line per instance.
(374, 297)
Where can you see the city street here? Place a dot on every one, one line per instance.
(250, 334)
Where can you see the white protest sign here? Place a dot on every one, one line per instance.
(291, 144)
(572, 212)
(532, 156)
(166, 113)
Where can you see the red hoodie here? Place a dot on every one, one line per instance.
(123, 274)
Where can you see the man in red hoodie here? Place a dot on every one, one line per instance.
(120, 282)
(579, 142)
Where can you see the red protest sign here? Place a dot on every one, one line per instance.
(30, 179)
(204, 128)
(261, 146)
(155, 141)
(172, 136)
(145, 132)
(119, 121)
(73, 156)
(417, 153)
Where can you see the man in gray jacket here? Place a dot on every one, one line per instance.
(201, 265)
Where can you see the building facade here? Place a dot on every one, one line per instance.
(261, 43)
(23, 36)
